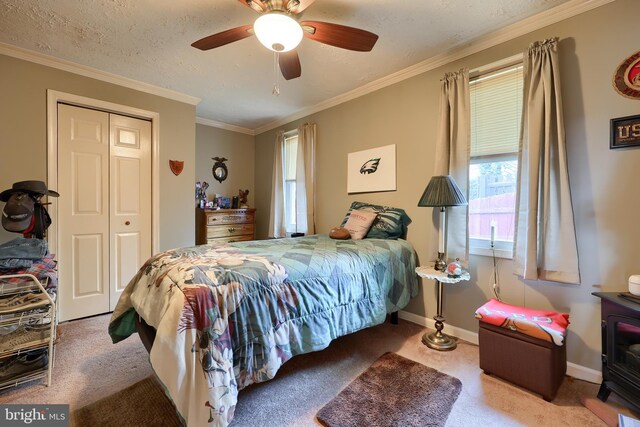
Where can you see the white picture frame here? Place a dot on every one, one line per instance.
(372, 170)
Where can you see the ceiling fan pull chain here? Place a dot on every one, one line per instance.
(276, 85)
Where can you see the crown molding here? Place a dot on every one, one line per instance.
(226, 126)
(520, 28)
(94, 73)
(525, 26)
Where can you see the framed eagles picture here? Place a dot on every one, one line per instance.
(372, 170)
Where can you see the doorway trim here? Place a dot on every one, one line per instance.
(53, 98)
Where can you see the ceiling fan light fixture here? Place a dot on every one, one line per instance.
(278, 31)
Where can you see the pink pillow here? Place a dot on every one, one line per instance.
(359, 223)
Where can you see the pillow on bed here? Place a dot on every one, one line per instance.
(359, 223)
(391, 223)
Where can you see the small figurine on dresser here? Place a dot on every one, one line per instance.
(201, 193)
(242, 196)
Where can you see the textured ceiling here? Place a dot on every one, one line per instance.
(149, 41)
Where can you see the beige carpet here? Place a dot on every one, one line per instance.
(88, 367)
(412, 394)
(142, 404)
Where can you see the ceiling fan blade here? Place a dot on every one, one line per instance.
(339, 35)
(289, 64)
(225, 37)
(297, 6)
(256, 5)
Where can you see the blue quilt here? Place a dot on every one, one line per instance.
(230, 315)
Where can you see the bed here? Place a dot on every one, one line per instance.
(230, 315)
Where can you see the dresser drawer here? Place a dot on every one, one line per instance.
(224, 225)
(215, 218)
(230, 239)
(229, 230)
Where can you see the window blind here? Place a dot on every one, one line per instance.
(290, 157)
(496, 111)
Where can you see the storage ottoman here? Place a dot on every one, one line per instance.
(533, 363)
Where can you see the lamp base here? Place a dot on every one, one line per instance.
(441, 264)
(439, 341)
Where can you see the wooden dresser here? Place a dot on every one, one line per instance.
(224, 225)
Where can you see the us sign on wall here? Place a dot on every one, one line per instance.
(625, 132)
(626, 80)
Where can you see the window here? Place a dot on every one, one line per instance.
(289, 162)
(496, 111)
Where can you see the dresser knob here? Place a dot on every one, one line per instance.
(231, 230)
(127, 222)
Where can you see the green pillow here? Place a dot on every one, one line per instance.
(391, 223)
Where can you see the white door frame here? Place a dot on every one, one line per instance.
(53, 98)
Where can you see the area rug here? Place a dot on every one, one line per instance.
(142, 404)
(394, 391)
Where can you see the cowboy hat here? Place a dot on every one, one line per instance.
(17, 214)
(34, 188)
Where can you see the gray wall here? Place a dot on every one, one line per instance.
(238, 148)
(604, 182)
(23, 137)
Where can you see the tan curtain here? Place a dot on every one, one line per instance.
(545, 242)
(305, 179)
(277, 226)
(452, 156)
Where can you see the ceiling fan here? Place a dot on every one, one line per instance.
(278, 31)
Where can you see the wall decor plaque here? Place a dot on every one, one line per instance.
(625, 132)
(176, 166)
(626, 79)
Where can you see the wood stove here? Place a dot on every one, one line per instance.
(620, 348)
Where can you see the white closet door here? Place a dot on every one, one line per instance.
(130, 200)
(104, 210)
(83, 215)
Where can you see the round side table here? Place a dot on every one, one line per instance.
(437, 340)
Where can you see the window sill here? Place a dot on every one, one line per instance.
(499, 253)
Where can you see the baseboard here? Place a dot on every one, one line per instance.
(573, 370)
(463, 334)
(583, 373)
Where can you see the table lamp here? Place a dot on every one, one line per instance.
(442, 191)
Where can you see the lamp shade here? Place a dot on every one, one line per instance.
(442, 191)
(278, 32)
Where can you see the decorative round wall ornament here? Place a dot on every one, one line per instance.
(219, 169)
(626, 79)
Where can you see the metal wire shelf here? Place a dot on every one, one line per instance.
(12, 285)
(39, 316)
(25, 378)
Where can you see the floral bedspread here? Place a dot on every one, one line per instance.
(230, 315)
